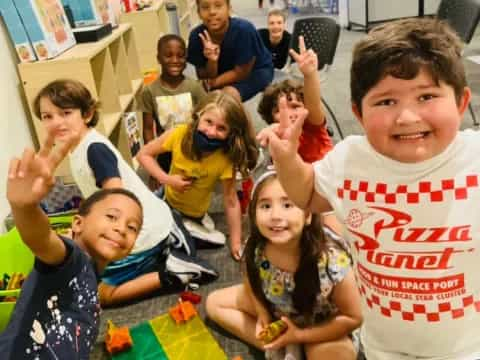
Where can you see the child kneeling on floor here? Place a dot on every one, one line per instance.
(57, 313)
(218, 142)
(296, 272)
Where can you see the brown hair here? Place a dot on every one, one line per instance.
(312, 245)
(227, 1)
(401, 49)
(241, 146)
(269, 103)
(69, 94)
(277, 12)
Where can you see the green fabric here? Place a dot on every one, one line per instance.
(145, 345)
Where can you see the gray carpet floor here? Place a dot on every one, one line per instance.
(336, 92)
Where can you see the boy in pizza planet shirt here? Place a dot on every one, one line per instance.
(407, 192)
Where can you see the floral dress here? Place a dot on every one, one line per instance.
(278, 284)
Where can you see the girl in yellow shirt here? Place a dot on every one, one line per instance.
(219, 141)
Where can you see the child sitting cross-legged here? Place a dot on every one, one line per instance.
(164, 255)
(217, 142)
(297, 272)
(57, 313)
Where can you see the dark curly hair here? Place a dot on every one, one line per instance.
(269, 103)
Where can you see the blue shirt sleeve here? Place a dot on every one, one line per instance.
(103, 163)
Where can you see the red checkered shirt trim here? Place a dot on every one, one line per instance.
(443, 308)
(380, 192)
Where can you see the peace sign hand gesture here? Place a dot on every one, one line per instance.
(210, 50)
(283, 139)
(31, 177)
(306, 60)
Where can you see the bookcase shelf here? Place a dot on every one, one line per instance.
(149, 25)
(109, 68)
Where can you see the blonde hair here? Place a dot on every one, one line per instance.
(241, 146)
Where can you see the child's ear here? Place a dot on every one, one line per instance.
(77, 224)
(87, 117)
(464, 100)
(358, 114)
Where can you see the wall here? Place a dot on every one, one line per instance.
(14, 127)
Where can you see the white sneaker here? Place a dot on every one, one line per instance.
(207, 221)
(202, 233)
(189, 269)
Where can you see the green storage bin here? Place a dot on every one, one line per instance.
(15, 256)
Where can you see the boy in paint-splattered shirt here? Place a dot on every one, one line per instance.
(57, 313)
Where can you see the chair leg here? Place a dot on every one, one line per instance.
(334, 118)
(472, 113)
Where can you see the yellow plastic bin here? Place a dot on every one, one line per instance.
(15, 256)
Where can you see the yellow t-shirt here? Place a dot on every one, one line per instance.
(205, 173)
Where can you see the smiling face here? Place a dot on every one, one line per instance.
(276, 217)
(172, 58)
(109, 230)
(276, 26)
(214, 15)
(411, 120)
(213, 124)
(62, 123)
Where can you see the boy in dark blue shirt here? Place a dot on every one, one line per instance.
(228, 53)
(57, 313)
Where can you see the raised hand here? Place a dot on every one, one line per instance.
(306, 60)
(210, 50)
(283, 140)
(31, 177)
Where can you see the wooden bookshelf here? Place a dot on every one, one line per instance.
(149, 25)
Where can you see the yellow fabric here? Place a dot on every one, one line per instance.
(206, 172)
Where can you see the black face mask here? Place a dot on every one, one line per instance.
(204, 144)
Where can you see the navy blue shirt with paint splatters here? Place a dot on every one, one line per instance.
(57, 314)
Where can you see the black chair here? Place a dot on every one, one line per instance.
(321, 34)
(463, 16)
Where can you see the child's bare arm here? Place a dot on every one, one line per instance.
(147, 157)
(239, 73)
(294, 174)
(234, 216)
(29, 181)
(307, 62)
(263, 316)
